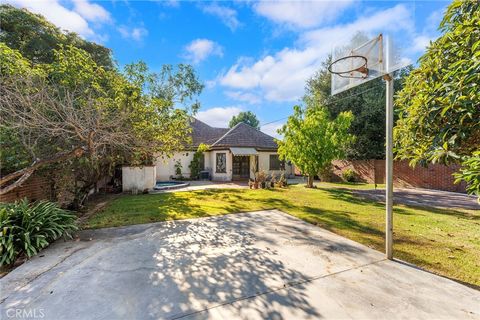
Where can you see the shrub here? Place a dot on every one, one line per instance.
(178, 168)
(348, 175)
(26, 228)
(273, 180)
(195, 163)
(282, 182)
(261, 177)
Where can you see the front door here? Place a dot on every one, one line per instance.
(241, 167)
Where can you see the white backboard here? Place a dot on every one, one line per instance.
(378, 55)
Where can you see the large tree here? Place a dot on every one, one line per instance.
(83, 119)
(367, 103)
(312, 140)
(439, 107)
(247, 117)
(36, 38)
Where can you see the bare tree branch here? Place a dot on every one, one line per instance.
(25, 173)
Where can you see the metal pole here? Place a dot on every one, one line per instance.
(389, 168)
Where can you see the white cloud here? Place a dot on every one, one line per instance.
(271, 129)
(137, 33)
(226, 14)
(429, 32)
(281, 76)
(373, 23)
(248, 97)
(171, 3)
(420, 43)
(91, 11)
(200, 49)
(219, 116)
(301, 14)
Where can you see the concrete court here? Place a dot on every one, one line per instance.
(258, 265)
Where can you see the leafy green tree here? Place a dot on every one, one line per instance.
(82, 119)
(439, 107)
(312, 140)
(367, 103)
(469, 173)
(162, 104)
(36, 38)
(247, 117)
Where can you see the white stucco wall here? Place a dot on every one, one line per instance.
(138, 178)
(264, 164)
(166, 166)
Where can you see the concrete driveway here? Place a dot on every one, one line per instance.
(424, 198)
(260, 265)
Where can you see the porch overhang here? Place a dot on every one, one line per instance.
(244, 151)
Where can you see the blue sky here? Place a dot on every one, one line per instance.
(251, 55)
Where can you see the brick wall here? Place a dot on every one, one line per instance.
(35, 188)
(435, 176)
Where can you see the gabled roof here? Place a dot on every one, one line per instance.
(203, 133)
(241, 135)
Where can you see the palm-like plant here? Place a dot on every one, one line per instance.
(26, 228)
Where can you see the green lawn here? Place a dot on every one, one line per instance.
(446, 242)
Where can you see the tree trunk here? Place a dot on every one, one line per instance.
(310, 181)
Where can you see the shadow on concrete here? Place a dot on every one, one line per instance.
(219, 264)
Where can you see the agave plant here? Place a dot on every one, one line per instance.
(27, 228)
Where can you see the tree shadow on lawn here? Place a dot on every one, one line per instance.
(202, 203)
(435, 265)
(337, 219)
(176, 206)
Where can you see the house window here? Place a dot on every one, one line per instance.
(221, 163)
(275, 163)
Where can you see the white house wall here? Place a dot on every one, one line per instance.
(165, 167)
(264, 164)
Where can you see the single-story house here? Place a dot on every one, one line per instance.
(235, 154)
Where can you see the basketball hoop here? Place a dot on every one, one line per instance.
(360, 61)
(353, 66)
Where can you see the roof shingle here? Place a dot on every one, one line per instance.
(242, 135)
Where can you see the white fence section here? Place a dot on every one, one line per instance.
(137, 179)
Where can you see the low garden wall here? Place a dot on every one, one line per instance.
(435, 176)
(138, 179)
(34, 188)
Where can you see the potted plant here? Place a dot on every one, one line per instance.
(273, 181)
(255, 181)
(261, 178)
(282, 182)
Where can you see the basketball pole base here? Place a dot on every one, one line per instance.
(389, 168)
